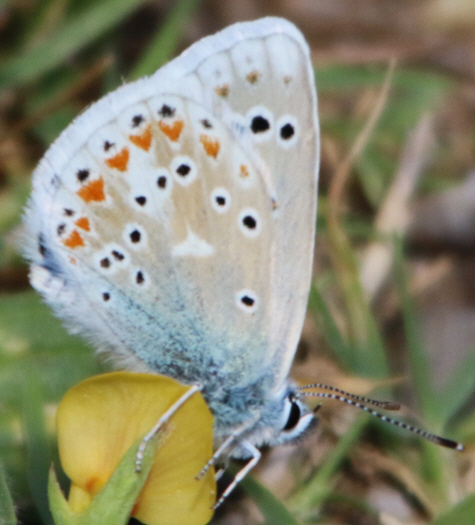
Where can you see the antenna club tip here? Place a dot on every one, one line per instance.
(449, 443)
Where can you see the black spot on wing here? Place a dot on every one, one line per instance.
(49, 261)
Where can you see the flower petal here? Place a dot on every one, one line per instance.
(99, 419)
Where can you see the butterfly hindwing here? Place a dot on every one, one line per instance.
(261, 84)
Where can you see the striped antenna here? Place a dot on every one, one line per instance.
(385, 405)
(438, 440)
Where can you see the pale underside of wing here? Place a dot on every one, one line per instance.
(164, 227)
(267, 85)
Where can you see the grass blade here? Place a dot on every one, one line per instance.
(460, 387)
(163, 46)
(272, 509)
(321, 485)
(420, 370)
(39, 458)
(7, 513)
(71, 37)
(330, 330)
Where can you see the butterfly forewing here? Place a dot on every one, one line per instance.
(173, 222)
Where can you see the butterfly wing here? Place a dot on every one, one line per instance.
(164, 229)
(259, 80)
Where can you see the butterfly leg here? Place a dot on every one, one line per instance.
(227, 443)
(219, 474)
(256, 456)
(163, 419)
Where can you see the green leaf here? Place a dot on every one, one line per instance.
(461, 514)
(58, 504)
(114, 503)
(7, 512)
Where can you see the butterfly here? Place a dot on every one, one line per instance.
(173, 224)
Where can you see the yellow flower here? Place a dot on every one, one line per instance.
(99, 419)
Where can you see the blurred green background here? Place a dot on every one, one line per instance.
(392, 308)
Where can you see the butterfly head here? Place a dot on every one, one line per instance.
(283, 419)
(296, 418)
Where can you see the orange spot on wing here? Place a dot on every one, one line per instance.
(243, 171)
(172, 131)
(210, 145)
(144, 140)
(222, 91)
(72, 260)
(74, 240)
(93, 191)
(83, 223)
(119, 161)
(253, 77)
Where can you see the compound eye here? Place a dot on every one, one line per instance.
(294, 416)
